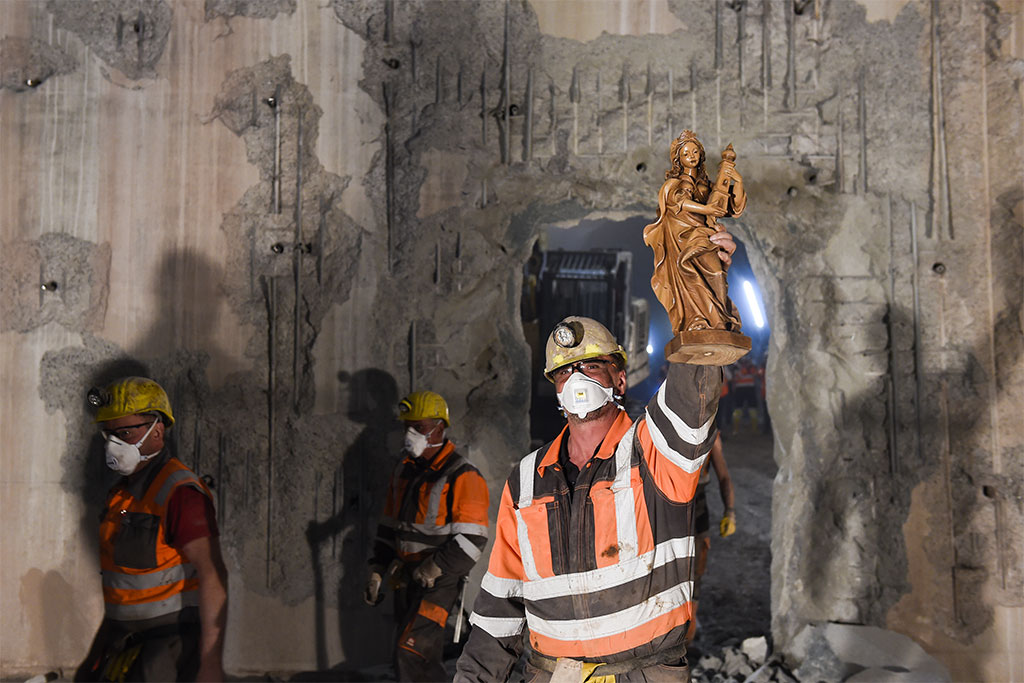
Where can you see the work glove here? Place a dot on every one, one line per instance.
(727, 527)
(426, 573)
(371, 594)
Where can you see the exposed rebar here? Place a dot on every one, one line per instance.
(528, 151)
(297, 265)
(507, 72)
(894, 463)
(270, 293)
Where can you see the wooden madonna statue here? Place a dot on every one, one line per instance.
(689, 277)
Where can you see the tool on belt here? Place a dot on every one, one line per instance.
(598, 672)
(118, 658)
(462, 611)
(120, 663)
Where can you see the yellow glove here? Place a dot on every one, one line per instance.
(727, 527)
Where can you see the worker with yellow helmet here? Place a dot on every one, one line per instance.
(164, 580)
(432, 532)
(593, 547)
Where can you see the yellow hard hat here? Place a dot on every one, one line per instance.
(423, 405)
(130, 396)
(577, 338)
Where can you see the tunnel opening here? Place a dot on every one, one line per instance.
(601, 268)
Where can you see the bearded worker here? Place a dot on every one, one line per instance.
(594, 542)
(164, 580)
(432, 532)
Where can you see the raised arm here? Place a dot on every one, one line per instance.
(678, 429)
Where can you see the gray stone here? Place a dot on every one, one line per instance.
(710, 663)
(756, 649)
(879, 649)
(736, 663)
(852, 652)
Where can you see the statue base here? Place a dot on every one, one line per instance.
(707, 347)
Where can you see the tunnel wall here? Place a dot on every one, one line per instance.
(292, 213)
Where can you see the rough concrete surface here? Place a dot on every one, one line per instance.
(57, 278)
(26, 64)
(128, 35)
(882, 158)
(260, 9)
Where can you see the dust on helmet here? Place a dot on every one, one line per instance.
(423, 405)
(577, 338)
(130, 396)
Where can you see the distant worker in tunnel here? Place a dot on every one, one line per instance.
(726, 526)
(164, 579)
(432, 532)
(745, 387)
(594, 542)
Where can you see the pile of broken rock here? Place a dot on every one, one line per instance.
(848, 653)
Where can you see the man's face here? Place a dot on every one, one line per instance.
(602, 369)
(131, 428)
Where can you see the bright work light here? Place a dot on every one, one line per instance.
(752, 302)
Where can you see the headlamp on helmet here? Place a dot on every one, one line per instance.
(130, 396)
(576, 339)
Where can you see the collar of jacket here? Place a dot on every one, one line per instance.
(439, 459)
(611, 440)
(137, 483)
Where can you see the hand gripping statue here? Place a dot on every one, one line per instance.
(689, 277)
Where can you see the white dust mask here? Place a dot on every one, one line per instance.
(581, 394)
(123, 457)
(415, 443)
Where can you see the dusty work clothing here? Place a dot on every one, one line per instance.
(601, 573)
(422, 614)
(150, 590)
(435, 509)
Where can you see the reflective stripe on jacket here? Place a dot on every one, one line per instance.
(143, 575)
(603, 574)
(437, 507)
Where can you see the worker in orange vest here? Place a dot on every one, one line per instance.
(744, 390)
(432, 532)
(164, 579)
(594, 542)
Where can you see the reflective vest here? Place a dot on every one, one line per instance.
(430, 504)
(603, 574)
(143, 575)
(746, 376)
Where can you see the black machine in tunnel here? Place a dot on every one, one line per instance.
(593, 283)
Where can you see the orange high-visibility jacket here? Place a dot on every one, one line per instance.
(436, 507)
(143, 575)
(603, 574)
(746, 376)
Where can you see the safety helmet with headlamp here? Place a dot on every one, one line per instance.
(130, 396)
(424, 405)
(576, 339)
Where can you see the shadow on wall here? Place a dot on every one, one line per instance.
(182, 308)
(365, 471)
(188, 301)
